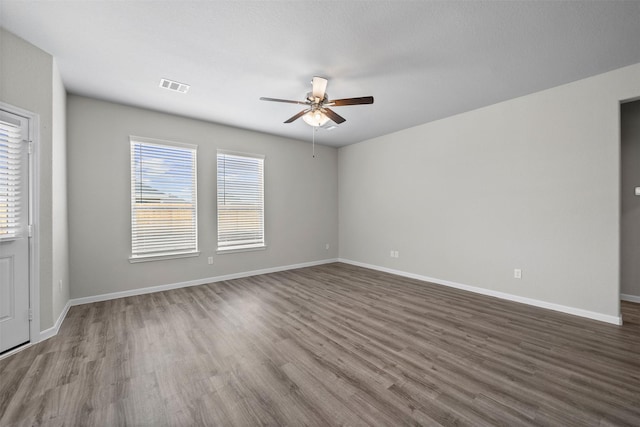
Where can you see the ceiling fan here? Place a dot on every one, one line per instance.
(318, 112)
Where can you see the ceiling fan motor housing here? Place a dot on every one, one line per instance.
(314, 101)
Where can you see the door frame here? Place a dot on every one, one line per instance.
(34, 216)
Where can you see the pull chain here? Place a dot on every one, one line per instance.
(313, 139)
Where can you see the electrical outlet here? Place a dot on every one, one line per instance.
(326, 247)
(517, 273)
(210, 260)
(397, 254)
(391, 254)
(60, 285)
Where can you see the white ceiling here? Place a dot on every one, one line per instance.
(422, 61)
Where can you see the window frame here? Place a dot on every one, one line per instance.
(167, 254)
(246, 247)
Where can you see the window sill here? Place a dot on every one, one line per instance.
(245, 249)
(147, 258)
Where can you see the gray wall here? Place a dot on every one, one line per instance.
(59, 215)
(531, 183)
(630, 215)
(301, 194)
(27, 80)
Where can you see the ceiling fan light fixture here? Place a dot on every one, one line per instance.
(315, 118)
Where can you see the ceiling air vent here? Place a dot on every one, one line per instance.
(173, 85)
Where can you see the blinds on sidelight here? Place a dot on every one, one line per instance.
(12, 152)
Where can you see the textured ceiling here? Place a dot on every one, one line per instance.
(422, 61)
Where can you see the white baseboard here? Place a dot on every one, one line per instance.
(631, 298)
(616, 320)
(53, 331)
(48, 333)
(44, 335)
(197, 282)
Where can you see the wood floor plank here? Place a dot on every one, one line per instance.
(322, 346)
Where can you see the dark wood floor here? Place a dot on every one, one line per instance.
(321, 346)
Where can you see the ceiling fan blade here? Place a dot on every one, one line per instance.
(319, 87)
(351, 101)
(262, 98)
(297, 116)
(334, 116)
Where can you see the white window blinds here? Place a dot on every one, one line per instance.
(240, 201)
(12, 161)
(163, 198)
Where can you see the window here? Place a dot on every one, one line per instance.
(240, 201)
(13, 157)
(163, 200)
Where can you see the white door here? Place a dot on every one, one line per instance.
(14, 232)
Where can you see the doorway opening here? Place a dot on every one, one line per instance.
(630, 211)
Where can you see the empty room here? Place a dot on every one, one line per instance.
(319, 213)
